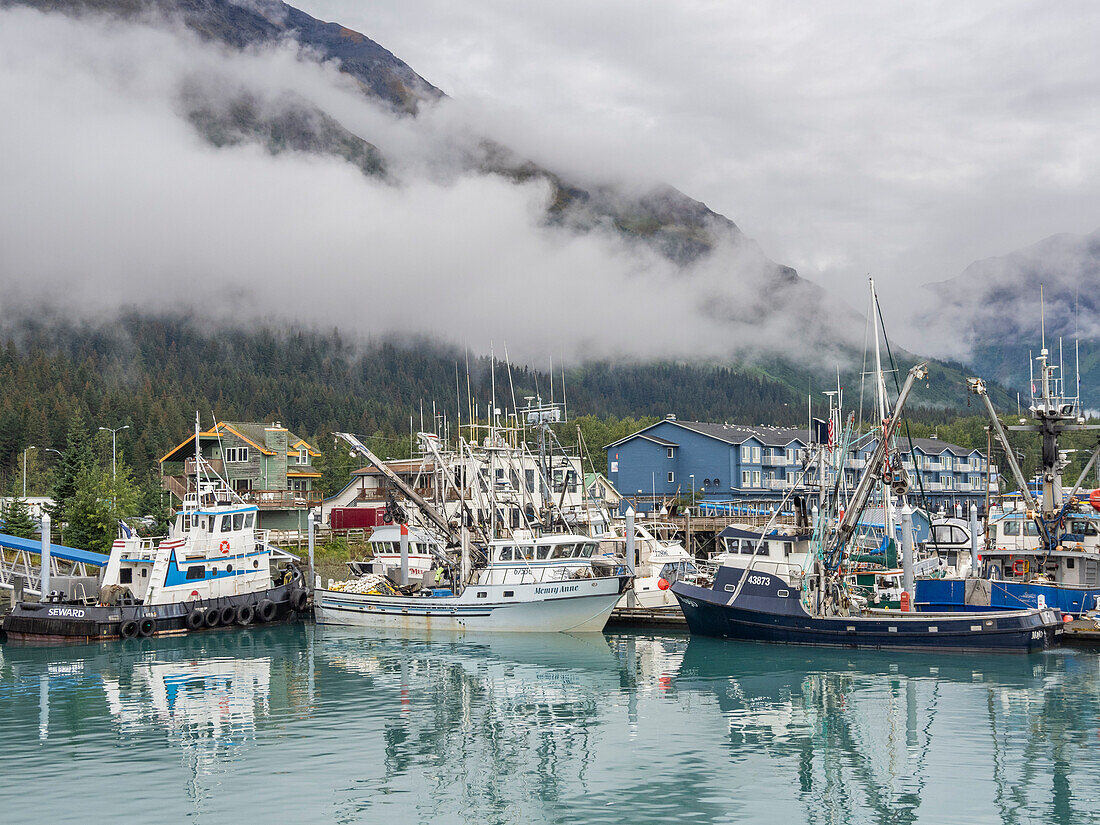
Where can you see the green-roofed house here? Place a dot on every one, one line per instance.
(266, 464)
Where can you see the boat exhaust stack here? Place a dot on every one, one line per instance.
(908, 578)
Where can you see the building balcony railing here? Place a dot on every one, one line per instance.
(215, 465)
(283, 499)
(774, 461)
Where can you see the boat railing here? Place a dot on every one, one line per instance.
(141, 548)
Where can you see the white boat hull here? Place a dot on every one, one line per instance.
(529, 608)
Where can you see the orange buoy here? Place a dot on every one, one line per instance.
(1094, 499)
(662, 584)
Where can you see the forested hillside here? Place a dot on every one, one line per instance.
(154, 372)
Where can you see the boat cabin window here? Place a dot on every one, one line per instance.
(543, 551)
(948, 534)
(238, 521)
(126, 575)
(196, 571)
(248, 520)
(587, 550)
(227, 523)
(788, 547)
(505, 553)
(1010, 528)
(185, 522)
(562, 551)
(1084, 527)
(523, 552)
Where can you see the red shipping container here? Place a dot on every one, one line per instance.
(355, 518)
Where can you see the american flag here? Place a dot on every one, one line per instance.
(832, 432)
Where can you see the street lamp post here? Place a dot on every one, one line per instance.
(114, 433)
(692, 477)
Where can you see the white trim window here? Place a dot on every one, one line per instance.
(671, 477)
(303, 455)
(235, 455)
(755, 478)
(746, 453)
(746, 478)
(671, 453)
(755, 455)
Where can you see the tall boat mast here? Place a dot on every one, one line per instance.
(883, 409)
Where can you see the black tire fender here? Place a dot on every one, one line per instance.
(228, 615)
(266, 610)
(211, 617)
(147, 626)
(194, 619)
(245, 614)
(128, 629)
(298, 599)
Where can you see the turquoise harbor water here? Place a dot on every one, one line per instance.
(303, 724)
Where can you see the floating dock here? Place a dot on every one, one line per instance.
(1082, 632)
(663, 618)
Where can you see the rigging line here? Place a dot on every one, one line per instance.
(863, 372)
(897, 385)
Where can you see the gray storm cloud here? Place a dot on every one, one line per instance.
(112, 198)
(900, 139)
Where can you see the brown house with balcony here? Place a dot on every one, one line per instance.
(266, 464)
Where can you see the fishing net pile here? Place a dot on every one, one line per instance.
(374, 584)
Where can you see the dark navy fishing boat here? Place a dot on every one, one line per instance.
(818, 607)
(768, 609)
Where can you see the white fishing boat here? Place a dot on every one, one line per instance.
(661, 560)
(535, 585)
(384, 550)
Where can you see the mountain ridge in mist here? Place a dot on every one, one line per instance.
(993, 306)
(678, 227)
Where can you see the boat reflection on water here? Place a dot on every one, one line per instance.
(204, 696)
(309, 724)
(877, 736)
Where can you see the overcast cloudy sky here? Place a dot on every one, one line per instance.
(901, 139)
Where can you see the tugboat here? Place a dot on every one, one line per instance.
(213, 569)
(755, 606)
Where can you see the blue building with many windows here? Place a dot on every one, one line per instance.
(723, 462)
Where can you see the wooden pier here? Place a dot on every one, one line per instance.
(1082, 633)
(663, 618)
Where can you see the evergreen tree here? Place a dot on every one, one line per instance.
(18, 521)
(96, 506)
(77, 457)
